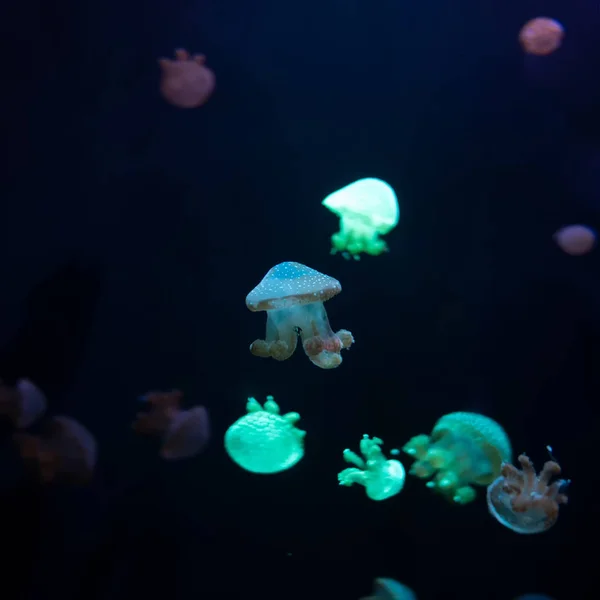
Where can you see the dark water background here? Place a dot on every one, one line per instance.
(154, 223)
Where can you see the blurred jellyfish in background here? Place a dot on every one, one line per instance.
(367, 209)
(382, 478)
(575, 239)
(186, 82)
(390, 589)
(533, 597)
(541, 36)
(22, 404)
(264, 441)
(525, 502)
(65, 453)
(463, 449)
(292, 295)
(183, 433)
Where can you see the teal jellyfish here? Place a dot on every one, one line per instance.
(390, 589)
(367, 209)
(264, 441)
(381, 477)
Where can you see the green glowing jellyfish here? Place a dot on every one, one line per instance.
(382, 478)
(464, 449)
(367, 209)
(263, 441)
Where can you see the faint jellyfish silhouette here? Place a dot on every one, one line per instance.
(292, 295)
(534, 597)
(184, 433)
(65, 452)
(390, 589)
(523, 501)
(22, 404)
(186, 82)
(541, 36)
(575, 239)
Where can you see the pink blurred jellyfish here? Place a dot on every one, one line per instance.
(22, 404)
(186, 82)
(184, 433)
(65, 452)
(292, 295)
(523, 501)
(541, 36)
(575, 239)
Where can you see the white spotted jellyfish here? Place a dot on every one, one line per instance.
(265, 441)
(524, 501)
(292, 295)
(382, 478)
(464, 449)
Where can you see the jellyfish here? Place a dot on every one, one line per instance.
(390, 589)
(534, 597)
(292, 296)
(186, 82)
(381, 477)
(575, 239)
(367, 209)
(264, 441)
(463, 449)
(65, 452)
(184, 433)
(541, 36)
(523, 501)
(22, 404)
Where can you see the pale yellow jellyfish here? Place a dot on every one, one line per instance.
(367, 209)
(382, 478)
(264, 441)
(463, 449)
(292, 295)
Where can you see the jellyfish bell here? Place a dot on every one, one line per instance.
(186, 82)
(22, 404)
(385, 588)
(575, 240)
(541, 36)
(187, 434)
(292, 295)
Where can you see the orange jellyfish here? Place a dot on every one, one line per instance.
(541, 36)
(184, 433)
(523, 501)
(186, 82)
(65, 452)
(292, 295)
(575, 239)
(22, 404)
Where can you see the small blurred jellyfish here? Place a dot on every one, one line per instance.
(534, 597)
(523, 501)
(367, 209)
(186, 82)
(184, 433)
(390, 589)
(575, 239)
(66, 452)
(541, 36)
(22, 404)
(382, 478)
(292, 295)
(263, 440)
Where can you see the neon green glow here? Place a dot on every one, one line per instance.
(264, 441)
(367, 209)
(382, 478)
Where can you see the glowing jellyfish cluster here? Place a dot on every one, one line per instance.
(381, 478)
(367, 208)
(263, 440)
(464, 449)
(292, 295)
